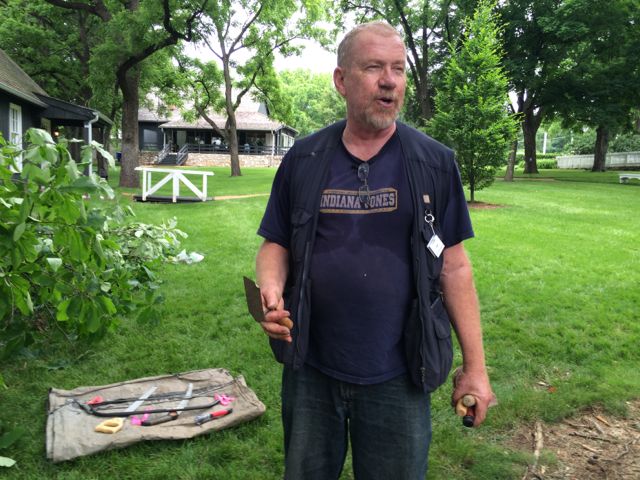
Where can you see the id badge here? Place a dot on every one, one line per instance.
(435, 246)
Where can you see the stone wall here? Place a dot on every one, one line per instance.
(147, 158)
(223, 160)
(217, 160)
(613, 160)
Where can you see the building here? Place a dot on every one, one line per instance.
(24, 104)
(257, 133)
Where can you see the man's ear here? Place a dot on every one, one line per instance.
(338, 80)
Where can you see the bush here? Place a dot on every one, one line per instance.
(69, 263)
(543, 160)
(628, 142)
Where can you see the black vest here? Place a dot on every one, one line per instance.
(427, 333)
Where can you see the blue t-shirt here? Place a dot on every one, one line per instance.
(361, 276)
(361, 272)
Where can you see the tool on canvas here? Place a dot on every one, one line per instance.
(105, 408)
(113, 425)
(254, 302)
(206, 417)
(135, 405)
(173, 414)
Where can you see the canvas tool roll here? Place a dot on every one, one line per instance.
(71, 429)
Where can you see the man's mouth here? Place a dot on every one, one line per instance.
(388, 101)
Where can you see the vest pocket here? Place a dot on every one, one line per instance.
(428, 345)
(440, 350)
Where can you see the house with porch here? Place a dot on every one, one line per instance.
(24, 104)
(170, 139)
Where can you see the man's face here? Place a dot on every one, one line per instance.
(373, 81)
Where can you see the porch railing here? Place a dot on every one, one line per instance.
(163, 153)
(242, 149)
(183, 153)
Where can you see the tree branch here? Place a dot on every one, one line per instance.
(172, 39)
(244, 29)
(98, 8)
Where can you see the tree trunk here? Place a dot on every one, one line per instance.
(128, 83)
(103, 164)
(233, 144)
(511, 164)
(231, 126)
(530, 125)
(602, 145)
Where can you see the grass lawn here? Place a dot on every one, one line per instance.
(557, 271)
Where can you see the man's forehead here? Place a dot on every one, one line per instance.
(371, 46)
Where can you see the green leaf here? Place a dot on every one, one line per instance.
(92, 318)
(7, 462)
(29, 302)
(54, 263)
(39, 137)
(19, 230)
(77, 248)
(84, 184)
(11, 437)
(61, 311)
(108, 305)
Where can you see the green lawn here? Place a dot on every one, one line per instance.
(557, 270)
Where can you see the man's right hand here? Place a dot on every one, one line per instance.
(277, 323)
(272, 267)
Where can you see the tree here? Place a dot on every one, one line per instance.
(597, 84)
(315, 101)
(132, 32)
(253, 30)
(52, 46)
(529, 59)
(70, 264)
(427, 25)
(471, 106)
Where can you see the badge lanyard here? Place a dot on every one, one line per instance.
(435, 245)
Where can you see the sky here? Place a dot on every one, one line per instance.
(313, 57)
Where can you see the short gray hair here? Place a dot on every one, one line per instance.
(346, 45)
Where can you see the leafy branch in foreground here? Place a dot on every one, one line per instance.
(70, 262)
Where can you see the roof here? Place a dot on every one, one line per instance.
(67, 111)
(146, 115)
(255, 121)
(15, 81)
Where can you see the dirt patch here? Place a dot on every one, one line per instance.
(483, 205)
(590, 446)
(233, 197)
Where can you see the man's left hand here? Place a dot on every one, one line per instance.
(476, 384)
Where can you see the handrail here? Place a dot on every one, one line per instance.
(182, 155)
(163, 153)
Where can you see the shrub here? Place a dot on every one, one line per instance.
(69, 263)
(543, 160)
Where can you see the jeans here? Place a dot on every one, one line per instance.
(388, 425)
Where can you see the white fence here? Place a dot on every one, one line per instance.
(613, 160)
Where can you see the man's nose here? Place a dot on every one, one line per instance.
(387, 78)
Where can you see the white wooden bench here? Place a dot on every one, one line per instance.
(174, 175)
(624, 177)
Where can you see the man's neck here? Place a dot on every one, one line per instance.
(365, 143)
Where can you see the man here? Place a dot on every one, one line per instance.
(363, 235)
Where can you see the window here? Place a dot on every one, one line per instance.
(15, 129)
